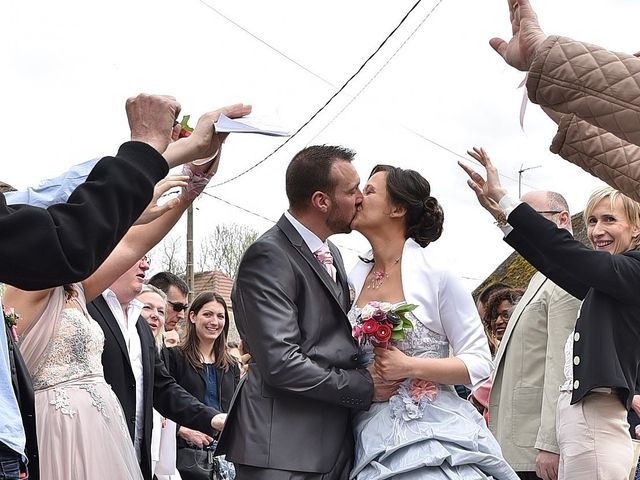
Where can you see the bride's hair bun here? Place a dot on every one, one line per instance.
(409, 189)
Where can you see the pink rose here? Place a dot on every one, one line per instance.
(423, 388)
(356, 331)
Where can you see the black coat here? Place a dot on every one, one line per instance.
(45, 248)
(607, 332)
(193, 381)
(292, 409)
(160, 389)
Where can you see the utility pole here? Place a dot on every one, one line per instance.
(190, 273)
(520, 172)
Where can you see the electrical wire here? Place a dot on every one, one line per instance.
(266, 44)
(352, 99)
(310, 119)
(375, 75)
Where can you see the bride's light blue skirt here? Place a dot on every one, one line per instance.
(441, 439)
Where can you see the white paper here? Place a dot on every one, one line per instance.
(249, 125)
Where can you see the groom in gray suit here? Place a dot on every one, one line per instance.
(290, 417)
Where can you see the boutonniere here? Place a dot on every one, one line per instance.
(11, 319)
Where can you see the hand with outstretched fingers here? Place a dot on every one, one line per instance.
(527, 38)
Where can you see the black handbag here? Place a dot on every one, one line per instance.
(201, 464)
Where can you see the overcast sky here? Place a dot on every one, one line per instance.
(69, 66)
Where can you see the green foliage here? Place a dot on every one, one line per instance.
(185, 123)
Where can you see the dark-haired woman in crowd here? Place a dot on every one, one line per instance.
(498, 310)
(203, 366)
(497, 313)
(426, 429)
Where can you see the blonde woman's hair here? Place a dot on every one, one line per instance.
(631, 208)
(159, 339)
(146, 288)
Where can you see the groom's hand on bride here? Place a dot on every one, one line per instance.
(382, 389)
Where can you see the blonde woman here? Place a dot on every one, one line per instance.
(163, 435)
(601, 356)
(154, 308)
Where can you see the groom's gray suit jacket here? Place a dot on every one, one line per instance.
(292, 409)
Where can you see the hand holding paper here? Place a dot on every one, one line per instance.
(248, 125)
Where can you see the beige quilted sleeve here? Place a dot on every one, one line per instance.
(602, 154)
(599, 86)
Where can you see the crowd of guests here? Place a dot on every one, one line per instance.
(88, 390)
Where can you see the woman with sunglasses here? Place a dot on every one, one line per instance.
(426, 430)
(203, 366)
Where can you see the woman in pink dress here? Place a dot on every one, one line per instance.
(80, 425)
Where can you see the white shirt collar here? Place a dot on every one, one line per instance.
(310, 238)
(133, 310)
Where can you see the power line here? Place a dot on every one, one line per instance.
(379, 70)
(266, 44)
(239, 207)
(244, 172)
(353, 98)
(468, 159)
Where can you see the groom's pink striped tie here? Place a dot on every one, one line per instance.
(323, 254)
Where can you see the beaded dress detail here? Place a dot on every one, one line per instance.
(437, 435)
(80, 425)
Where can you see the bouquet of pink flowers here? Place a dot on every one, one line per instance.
(380, 322)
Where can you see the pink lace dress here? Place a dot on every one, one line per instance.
(81, 429)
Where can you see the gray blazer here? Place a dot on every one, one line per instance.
(292, 409)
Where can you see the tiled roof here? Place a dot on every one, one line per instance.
(517, 272)
(216, 281)
(222, 284)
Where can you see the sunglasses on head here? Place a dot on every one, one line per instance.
(177, 306)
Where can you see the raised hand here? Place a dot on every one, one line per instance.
(204, 143)
(488, 192)
(154, 210)
(151, 119)
(527, 38)
(382, 389)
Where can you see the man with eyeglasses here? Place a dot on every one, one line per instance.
(529, 362)
(176, 290)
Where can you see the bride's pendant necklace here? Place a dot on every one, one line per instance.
(379, 276)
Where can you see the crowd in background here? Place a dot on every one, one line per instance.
(88, 390)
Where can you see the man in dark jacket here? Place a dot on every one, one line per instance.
(65, 243)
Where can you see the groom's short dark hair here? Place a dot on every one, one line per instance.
(310, 171)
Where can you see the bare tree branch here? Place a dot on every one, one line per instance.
(223, 248)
